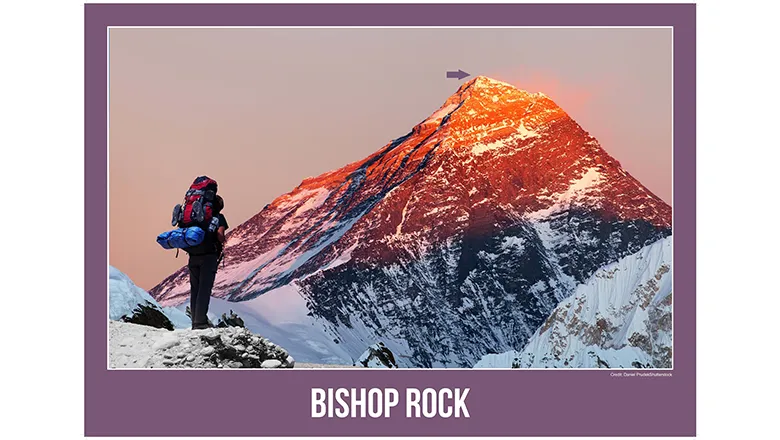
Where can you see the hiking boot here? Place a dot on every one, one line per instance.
(202, 326)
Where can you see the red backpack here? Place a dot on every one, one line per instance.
(197, 209)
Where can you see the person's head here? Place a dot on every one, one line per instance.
(219, 204)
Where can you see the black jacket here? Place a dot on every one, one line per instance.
(210, 244)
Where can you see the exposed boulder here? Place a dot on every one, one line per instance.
(378, 356)
(231, 320)
(148, 314)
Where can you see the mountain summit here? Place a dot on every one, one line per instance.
(452, 241)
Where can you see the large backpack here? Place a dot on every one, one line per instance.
(197, 208)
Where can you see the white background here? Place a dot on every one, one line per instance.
(41, 170)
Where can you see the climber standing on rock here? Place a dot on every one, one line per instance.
(203, 264)
(200, 232)
(202, 208)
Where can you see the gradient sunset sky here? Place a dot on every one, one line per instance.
(259, 110)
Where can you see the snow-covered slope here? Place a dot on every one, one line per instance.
(452, 241)
(507, 359)
(124, 297)
(620, 318)
(282, 316)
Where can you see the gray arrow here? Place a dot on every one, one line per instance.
(459, 74)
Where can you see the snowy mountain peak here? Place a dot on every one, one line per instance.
(485, 111)
(484, 82)
(492, 92)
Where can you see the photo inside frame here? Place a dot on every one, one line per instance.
(388, 198)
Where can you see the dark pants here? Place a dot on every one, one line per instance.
(203, 269)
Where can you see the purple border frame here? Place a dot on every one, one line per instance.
(501, 403)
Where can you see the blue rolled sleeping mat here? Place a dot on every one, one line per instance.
(181, 238)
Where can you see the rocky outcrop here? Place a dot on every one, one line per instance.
(378, 356)
(135, 346)
(230, 319)
(148, 314)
